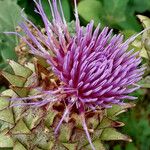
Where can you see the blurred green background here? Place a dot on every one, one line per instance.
(117, 14)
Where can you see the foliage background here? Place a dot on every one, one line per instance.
(117, 14)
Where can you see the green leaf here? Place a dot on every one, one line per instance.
(140, 6)
(106, 122)
(115, 13)
(130, 23)
(9, 19)
(20, 128)
(90, 9)
(14, 80)
(109, 134)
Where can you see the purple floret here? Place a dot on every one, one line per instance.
(95, 66)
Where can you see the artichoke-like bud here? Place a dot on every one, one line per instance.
(70, 97)
(25, 127)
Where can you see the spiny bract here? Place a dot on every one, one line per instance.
(32, 128)
(86, 73)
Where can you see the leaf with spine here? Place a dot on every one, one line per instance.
(106, 122)
(9, 19)
(112, 134)
(14, 79)
(19, 69)
(20, 128)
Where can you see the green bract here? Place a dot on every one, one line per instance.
(26, 128)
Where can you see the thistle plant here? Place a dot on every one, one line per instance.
(70, 95)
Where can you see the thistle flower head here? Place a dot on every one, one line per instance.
(95, 68)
